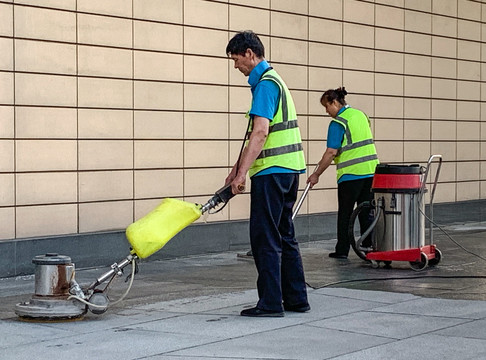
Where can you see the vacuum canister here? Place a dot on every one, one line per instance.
(402, 221)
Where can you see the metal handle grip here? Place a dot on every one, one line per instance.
(302, 198)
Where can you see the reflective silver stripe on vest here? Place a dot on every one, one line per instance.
(349, 139)
(291, 124)
(357, 144)
(285, 110)
(350, 145)
(283, 126)
(356, 161)
(286, 149)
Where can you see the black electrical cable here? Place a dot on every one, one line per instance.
(451, 239)
(400, 278)
(415, 277)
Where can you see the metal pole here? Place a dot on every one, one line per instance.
(302, 198)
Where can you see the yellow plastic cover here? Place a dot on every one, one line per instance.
(150, 233)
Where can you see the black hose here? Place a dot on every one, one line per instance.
(355, 244)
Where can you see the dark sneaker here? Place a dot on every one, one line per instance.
(337, 256)
(256, 312)
(297, 308)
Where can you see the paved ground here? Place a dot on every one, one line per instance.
(189, 309)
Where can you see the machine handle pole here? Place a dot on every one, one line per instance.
(429, 162)
(432, 192)
(302, 198)
(115, 269)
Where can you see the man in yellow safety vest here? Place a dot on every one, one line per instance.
(273, 157)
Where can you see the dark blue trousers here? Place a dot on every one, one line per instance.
(351, 193)
(275, 249)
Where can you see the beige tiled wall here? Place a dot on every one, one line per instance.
(107, 107)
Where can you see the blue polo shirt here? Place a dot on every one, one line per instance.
(265, 99)
(335, 135)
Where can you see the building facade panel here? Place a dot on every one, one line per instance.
(7, 127)
(108, 107)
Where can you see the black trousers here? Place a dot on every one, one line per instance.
(275, 249)
(352, 193)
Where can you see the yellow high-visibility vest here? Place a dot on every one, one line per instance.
(357, 155)
(283, 146)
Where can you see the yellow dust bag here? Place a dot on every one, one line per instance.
(150, 233)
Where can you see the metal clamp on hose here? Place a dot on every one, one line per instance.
(222, 195)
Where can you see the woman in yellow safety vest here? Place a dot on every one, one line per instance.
(350, 144)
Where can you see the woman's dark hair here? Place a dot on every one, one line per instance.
(334, 94)
(244, 40)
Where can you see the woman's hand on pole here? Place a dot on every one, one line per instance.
(313, 179)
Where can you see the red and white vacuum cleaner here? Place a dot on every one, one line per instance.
(397, 230)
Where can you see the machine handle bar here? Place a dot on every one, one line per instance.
(432, 192)
(115, 269)
(422, 188)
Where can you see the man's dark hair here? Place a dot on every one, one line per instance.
(244, 40)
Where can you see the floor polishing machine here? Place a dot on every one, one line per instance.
(397, 217)
(59, 297)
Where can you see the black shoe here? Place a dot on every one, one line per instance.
(297, 308)
(256, 312)
(338, 256)
(247, 255)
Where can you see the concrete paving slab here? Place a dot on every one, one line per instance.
(375, 296)
(108, 321)
(178, 357)
(206, 303)
(322, 306)
(472, 330)
(120, 344)
(424, 347)
(394, 326)
(218, 326)
(314, 335)
(463, 309)
(17, 334)
(325, 306)
(295, 342)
